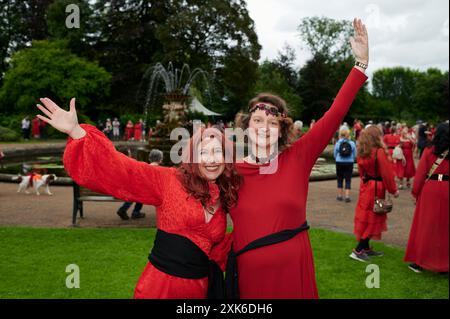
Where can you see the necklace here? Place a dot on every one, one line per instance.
(264, 160)
(210, 210)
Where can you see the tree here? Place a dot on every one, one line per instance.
(316, 87)
(21, 21)
(272, 80)
(430, 96)
(48, 69)
(327, 37)
(285, 64)
(80, 40)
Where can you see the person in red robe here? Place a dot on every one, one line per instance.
(428, 238)
(36, 128)
(392, 140)
(129, 130)
(407, 169)
(137, 131)
(367, 224)
(272, 199)
(357, 128)
(191, 202)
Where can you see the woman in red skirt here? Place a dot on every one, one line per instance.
(407, 169)
(272, 256)
(191, 203)
(369, 225)
(428, 239)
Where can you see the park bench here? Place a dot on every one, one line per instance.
(82, 194)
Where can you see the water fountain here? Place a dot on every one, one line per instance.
(177, 84)
(176, 88)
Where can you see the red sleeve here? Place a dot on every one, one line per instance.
(93, 162)
(421, 173)
(317, 138)
(386, 171)
(219, 252)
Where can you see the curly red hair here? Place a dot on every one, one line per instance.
(189, 174)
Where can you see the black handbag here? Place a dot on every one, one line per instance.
(381, 206)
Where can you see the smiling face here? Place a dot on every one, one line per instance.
(211, 158)
(264, 129)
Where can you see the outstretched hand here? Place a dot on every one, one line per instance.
(360, 42)
(63, 121)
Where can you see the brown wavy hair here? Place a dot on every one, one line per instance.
(369, 139)
(286, 124)
(228, 182)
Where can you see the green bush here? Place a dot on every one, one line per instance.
(8, 135)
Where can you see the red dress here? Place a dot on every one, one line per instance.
(368, 224)
(129, 131)
(137, 131)
(93, 162)
(35, 127)
(269, 203)
(391, 141)
(408, 170)
(428, 239)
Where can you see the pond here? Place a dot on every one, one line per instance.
(53, 165)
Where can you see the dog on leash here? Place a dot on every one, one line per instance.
(34, 181)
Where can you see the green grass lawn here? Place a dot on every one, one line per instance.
(33, 265)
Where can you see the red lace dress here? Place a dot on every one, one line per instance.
(93, 162)
(367, 223)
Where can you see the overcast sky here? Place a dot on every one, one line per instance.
(410, 33)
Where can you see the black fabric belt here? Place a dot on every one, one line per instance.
(178, 256)
(231, 278)
(367, 178)
(439, 177)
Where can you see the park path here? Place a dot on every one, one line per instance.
(56, 211)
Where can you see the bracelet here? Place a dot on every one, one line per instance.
(361, 65)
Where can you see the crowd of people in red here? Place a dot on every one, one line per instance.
(387, 153)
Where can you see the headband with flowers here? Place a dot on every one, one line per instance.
(268, 109)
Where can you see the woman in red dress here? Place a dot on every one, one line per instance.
(137, 131)
(129, 130)
(36, 128)
(272, 199)
(191, 202)
(368, 224)
(392, 140)
(406, 170)
(428, 239)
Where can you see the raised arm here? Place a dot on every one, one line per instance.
(92, 161)
(314, 142)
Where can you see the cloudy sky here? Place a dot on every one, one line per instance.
(411, 33)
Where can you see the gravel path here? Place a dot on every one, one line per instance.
(56, 211)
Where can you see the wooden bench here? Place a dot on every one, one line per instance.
(82, 194)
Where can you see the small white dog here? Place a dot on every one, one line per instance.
(35, 181)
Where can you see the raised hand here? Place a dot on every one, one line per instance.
(63, 121)
(360, 42)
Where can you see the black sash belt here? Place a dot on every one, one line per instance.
(178, 256)
(439, 177)
(367, 178)
(231, 279)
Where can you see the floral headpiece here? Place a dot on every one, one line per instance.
(268, 109)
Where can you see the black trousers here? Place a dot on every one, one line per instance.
(344, 171)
